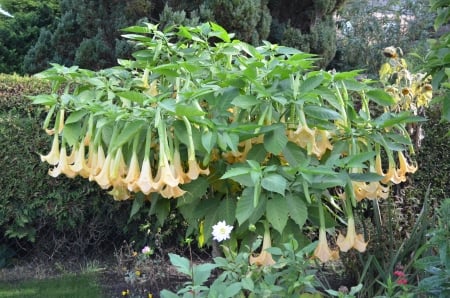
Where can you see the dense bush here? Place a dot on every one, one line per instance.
(38, 213)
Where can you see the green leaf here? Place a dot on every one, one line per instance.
(138, 202)
(219, 31)
(182, 264)
(320, 112)
(168, 70)
(194, 190)
(245, 101)
(72, 133)
(244, 206)
(276, 139)
(76, 116)
(390, 119)
(160, 208)
(275, 183)
(201, 273)
(295, 155)
(188, 111)
(277, 212)
(357, 160)
(44, 99)
(310, 83)
(136, 29)
(235, 172)
(227, 210)
(209, 140)
(133, 96)
(297, 209)
(380, 97)
(127, 134)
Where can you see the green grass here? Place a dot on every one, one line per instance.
(68, 286)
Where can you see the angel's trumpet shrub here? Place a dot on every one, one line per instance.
(265, 257)
(351, 240)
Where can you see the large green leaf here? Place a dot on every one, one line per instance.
(245, 101)
(44, 99)
(72, 133)
(188, 111)
(275, 140)
(133, 96)
(127, 133)
(321, 112)
(297, 209)
(295, 155)
(244, 206)
(310, 83)
(381, 97)
(277, 212)
(274, 182)
(76, 116)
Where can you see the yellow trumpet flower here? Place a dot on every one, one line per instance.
(404, 166)
(195, 170)
(102, 178)
(96, 162)
(169, 192)
(133, 174)
(145, 182)
(372, 191)
(52, 157)
(265, 257)
(321, 143)
(352, 240)
(323, 251)
(119, 191)
(79, 166)
(379, 169)
(63, 166)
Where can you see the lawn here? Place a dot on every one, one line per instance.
(67, 286)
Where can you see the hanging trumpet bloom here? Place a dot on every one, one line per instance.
(102, 178)
(351, 240)
(52, 157)
(63, 165)
(323, 251)
(145, 182)
(265, 257)
(79, 166)
(133, 174)
(404, 166)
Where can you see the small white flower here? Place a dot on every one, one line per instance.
(221, 231)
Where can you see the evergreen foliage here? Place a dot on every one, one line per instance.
(88, 32)
(20, 33)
